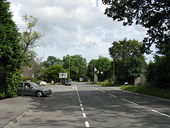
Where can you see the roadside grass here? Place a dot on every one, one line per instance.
(105, 84)
(163, 93)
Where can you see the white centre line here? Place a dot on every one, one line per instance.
(160, 113)
(82, 109)
(87, 124)
(84, 115)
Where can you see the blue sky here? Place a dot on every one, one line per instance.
(73, 27)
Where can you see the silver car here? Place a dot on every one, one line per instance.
(30, 88)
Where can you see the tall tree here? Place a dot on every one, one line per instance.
(76, 65)
(91, 68)
(128, 60)
(10, 52)
(51, 60)
(101, 68)
(158, 72)
(51, 73)
(29, 37)
(151, 14)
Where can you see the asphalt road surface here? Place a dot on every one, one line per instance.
(83, 105)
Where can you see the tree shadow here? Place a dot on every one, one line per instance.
(62, 109)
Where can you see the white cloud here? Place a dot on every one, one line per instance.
(73, 27)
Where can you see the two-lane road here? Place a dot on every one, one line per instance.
(83, 105)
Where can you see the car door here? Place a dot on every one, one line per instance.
(21, 89)
(28, 89)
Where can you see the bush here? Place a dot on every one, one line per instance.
(9, 84)
(158, 73)
(10, 53)
(105, 84)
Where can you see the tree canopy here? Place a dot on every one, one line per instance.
(101, 67)
(76, 65)
(52, 60)
(28, 38)
(158, 72)
(10, 52)
(128, 60)
(151, 14)
(51, 73)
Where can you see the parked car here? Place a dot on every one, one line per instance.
(68, 83)
(30, 88)
(43, 83)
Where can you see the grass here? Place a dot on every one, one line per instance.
(163, 93)
(104, 84)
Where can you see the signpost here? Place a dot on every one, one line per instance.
(62, 76)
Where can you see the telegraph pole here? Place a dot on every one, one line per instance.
(114, 68)
(69, 68)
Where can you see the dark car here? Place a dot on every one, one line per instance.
(68, 83)
(30, 88)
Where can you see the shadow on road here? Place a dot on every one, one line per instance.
(62, 109)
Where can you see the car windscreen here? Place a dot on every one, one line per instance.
(35, 85)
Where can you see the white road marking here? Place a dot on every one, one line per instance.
(84, 115)
(87, 124)
(160, 113)
(100, 90)
(82, 109)
(163, 114)
(106, 93)
(72, 87)
(111, 95)
(131, 102)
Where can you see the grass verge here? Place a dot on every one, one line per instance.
(104, 84)
(163, 93)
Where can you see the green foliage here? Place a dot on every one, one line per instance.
(90, 69)
(103, 68)
(105, 84)
(151, 14)
(12, 81)
(52, 73)
(128, 61)
(10, 52)
(51, 60)
(164, 93)
(158, 73)
(76, 65)
(29, 38)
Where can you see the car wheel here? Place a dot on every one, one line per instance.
(39, 94)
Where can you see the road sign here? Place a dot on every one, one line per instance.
(62, 75)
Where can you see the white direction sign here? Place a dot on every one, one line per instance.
(62, 75)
